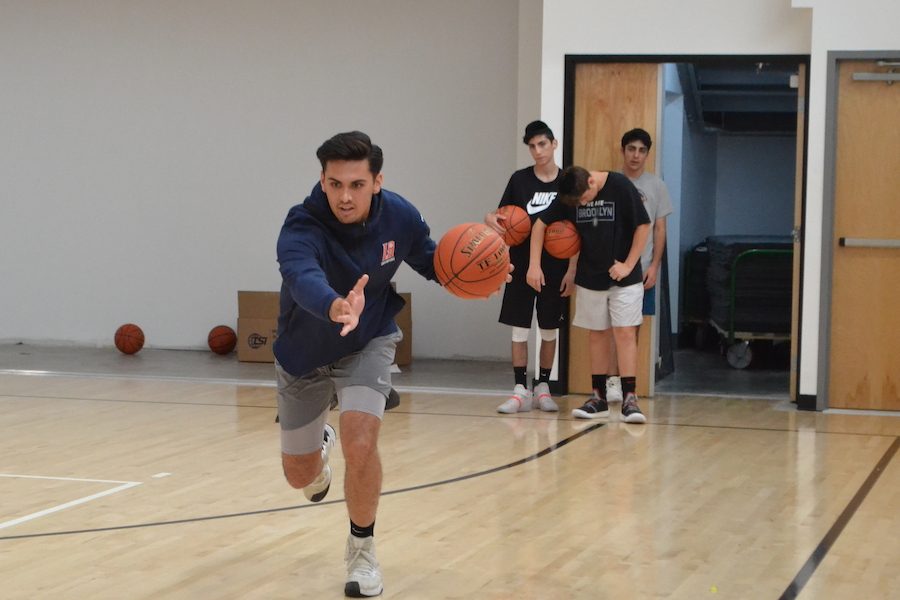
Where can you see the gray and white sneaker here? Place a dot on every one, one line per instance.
(318, 489)
(631, 413)
(594, 408)
(543, 398)
(520, 401)
(363, 573)
(613, 389)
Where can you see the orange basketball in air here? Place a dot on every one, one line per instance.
(517, 224)
(561, 239)
(471, 261)
(129, 338)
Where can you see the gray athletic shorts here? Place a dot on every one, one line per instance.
(362, 382)
(616, 307)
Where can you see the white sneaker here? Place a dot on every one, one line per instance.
(520, 401)
(318, 489)
(613, 389)
(363, 574)
(544, 399)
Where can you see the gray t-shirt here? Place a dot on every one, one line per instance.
(658, 205)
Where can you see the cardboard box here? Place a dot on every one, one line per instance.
(257, 325)
(404, 322)
(255, 339)
(258, 305)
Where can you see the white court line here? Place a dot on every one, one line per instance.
(241, 382)
(727, 395)
(186, 379)
(861, 412)
(450, 391)
(124, 486)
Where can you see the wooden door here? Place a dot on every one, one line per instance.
(864, 359)
(610, 99)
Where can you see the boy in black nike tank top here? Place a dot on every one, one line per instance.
(533, 189)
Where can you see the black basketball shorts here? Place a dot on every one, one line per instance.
(519, 300)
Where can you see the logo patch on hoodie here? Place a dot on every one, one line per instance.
(387, 252)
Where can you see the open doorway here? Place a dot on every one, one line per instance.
(727, 142)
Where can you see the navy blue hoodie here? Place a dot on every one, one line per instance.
(321, 259)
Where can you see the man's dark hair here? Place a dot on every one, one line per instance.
(537, 128)
(639, 135)
(573, 183)
(352, 145)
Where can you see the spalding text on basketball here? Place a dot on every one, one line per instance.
(474, 242)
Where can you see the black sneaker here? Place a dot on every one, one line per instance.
(630, 411)
(594, 408)
(393, 400)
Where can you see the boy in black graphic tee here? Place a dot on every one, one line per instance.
(533, 189)
(610, 217)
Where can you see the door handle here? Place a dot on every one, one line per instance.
(868, 243)
(889, 77)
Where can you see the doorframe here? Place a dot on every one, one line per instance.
(571, 63)
(832, 80)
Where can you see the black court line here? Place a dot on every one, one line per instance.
(772, 429)
(400, 411)
(812, 563)
(516, 463)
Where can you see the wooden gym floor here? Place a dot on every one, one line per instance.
(132, 487)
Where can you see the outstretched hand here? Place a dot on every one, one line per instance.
(347, 310)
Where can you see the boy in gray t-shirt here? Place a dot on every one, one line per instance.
(635, 148)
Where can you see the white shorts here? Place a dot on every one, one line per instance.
(616, 307)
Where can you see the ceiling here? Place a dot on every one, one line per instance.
(741, 98)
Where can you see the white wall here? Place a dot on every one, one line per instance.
(755, 185)
(664, 28)
(150, 151)
(531, 25)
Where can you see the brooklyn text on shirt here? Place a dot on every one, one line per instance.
(596, 211)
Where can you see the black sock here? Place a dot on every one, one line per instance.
(598, 382)
(521, 374)
(544, 375)
(362, 532)
(628, 385)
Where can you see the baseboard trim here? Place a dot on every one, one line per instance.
(806, 402)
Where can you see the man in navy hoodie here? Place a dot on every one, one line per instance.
(337, 253)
